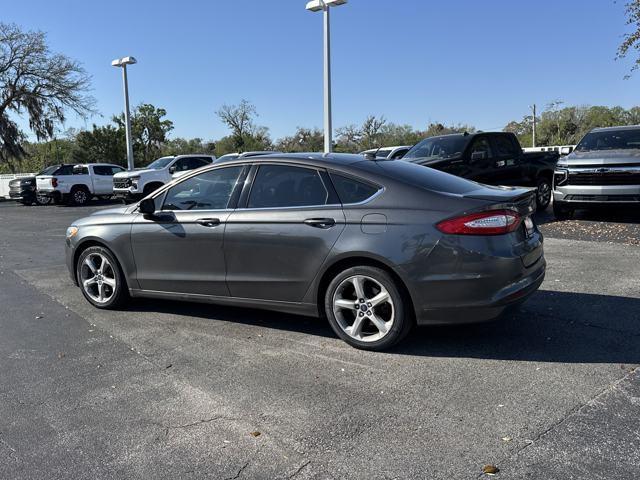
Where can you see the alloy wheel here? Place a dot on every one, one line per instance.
(98, 278)
(544, 193)
(80, 197)
(363, 308)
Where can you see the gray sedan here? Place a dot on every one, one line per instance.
(374, 246)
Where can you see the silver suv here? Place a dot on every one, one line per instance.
(603, 169)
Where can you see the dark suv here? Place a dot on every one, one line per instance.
(24, 189)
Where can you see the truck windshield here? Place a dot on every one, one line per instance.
(448, 146)
(160, 163)
(610, 140)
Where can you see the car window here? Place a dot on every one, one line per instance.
(399, 154)
(482, 145)
(208, 191)
(504, 146)
(182, 165)
(106, 170)
(351, 190)
(80, 170)
(287, 186)
(64, 170)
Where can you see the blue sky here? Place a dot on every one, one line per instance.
(414, 61)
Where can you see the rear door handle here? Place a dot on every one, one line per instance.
(320, 222)
(208, 222)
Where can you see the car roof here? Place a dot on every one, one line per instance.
(318, 159)
(611, 129)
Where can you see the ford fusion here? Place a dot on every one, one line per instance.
(374, 246)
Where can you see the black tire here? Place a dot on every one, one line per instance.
(119, 295)
(544, 193)
(79, 196)
(42, 200)
(403, 320)
(562, 211)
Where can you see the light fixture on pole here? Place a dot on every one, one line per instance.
(316, 6)
(123, 62)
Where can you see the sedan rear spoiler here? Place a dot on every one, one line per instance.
(522, 198)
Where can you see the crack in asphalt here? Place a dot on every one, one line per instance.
(569, 414)
(298, 470)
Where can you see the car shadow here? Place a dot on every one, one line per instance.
(561, 327)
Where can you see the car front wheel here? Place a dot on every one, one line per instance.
(100, 278)
(366, 309)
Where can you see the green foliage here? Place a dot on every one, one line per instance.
(36, 82)
(101, 144)
(566, 126)
(149, 131)
(631, 40)
(245, 135)
(304, 140)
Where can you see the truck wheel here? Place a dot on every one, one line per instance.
(562, 211)
(43, 200)
(79, 196)
(543, 194)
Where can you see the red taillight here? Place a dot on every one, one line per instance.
(54, 182)
(492, 222)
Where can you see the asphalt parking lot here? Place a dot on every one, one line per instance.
(175, 390)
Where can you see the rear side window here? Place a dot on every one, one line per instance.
(352, 191)
(106, 170)
(64, 170)
(504, 146)
(287, 186)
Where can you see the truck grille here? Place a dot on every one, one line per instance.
(605, 178)
(121, 183)
(15, 188)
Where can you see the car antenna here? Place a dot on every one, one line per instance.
(372, 155)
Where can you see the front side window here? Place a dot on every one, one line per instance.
(160, 163)
(446, 146)
(287, 186)
(352, 191)
(208, 191)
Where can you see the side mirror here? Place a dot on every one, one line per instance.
(478, 155)
(147, 206)
(566, 150)
(172, 169)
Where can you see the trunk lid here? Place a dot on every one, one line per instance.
(43, 182)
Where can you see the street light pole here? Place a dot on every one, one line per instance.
(316, 6)
(328, 129)
(533, 107)
(123, 62)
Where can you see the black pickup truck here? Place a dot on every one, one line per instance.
(493, 158)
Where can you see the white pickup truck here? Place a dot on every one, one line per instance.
(78, 184)
(136, 184)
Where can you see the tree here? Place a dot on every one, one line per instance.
(245, 135)
(631, 40)
(148, 131)
(371, 132)
(101, 144)
(434, 129)
(304, 140)
(36, 82)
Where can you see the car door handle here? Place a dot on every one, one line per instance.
(320, 222)
(208, 222)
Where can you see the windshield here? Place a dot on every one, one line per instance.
(448, 146)
(49, 170)
(610, 140)
(160, 163)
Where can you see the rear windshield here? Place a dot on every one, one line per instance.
(428, 178)
(610, 140)
(447, 146)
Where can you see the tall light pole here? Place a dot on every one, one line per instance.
(316, 6)
(533, 108)
(123, 62)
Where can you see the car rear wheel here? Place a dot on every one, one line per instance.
(100, 278)
(366, 309)
(79, 196)
(543, 194)
(43, 200)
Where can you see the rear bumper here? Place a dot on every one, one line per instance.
(55, 194)
(510, 296)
